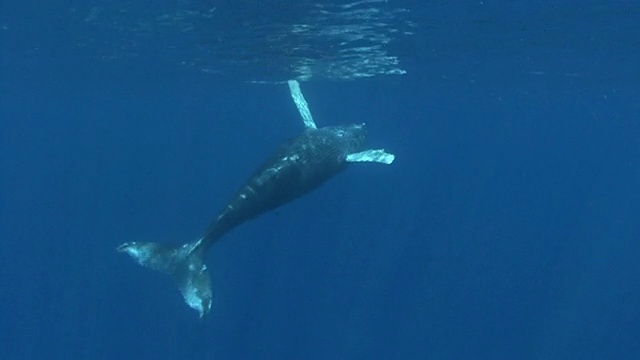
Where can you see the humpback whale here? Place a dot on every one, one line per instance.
(299, 166)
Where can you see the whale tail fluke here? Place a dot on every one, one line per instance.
(185, 263)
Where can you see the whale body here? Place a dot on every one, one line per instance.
(296, 168)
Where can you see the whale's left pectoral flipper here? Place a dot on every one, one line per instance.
(185, 263)
(378, 155)
(301, 104)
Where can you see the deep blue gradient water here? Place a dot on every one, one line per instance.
(507, 228)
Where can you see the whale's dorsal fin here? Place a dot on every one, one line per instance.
(379, 156)
(301, 103)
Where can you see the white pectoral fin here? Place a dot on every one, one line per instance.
(379, 156)
(301, 103)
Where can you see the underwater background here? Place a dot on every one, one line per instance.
(507, 228)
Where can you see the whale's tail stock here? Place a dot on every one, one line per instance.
(185, 263)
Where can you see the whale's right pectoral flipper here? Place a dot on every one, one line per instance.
(378, 155)
(185, 263)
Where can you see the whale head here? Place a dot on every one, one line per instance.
(353, 137)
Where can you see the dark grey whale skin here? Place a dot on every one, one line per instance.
(296, 168)
(299, 166)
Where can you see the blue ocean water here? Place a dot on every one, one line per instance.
(507, 228)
